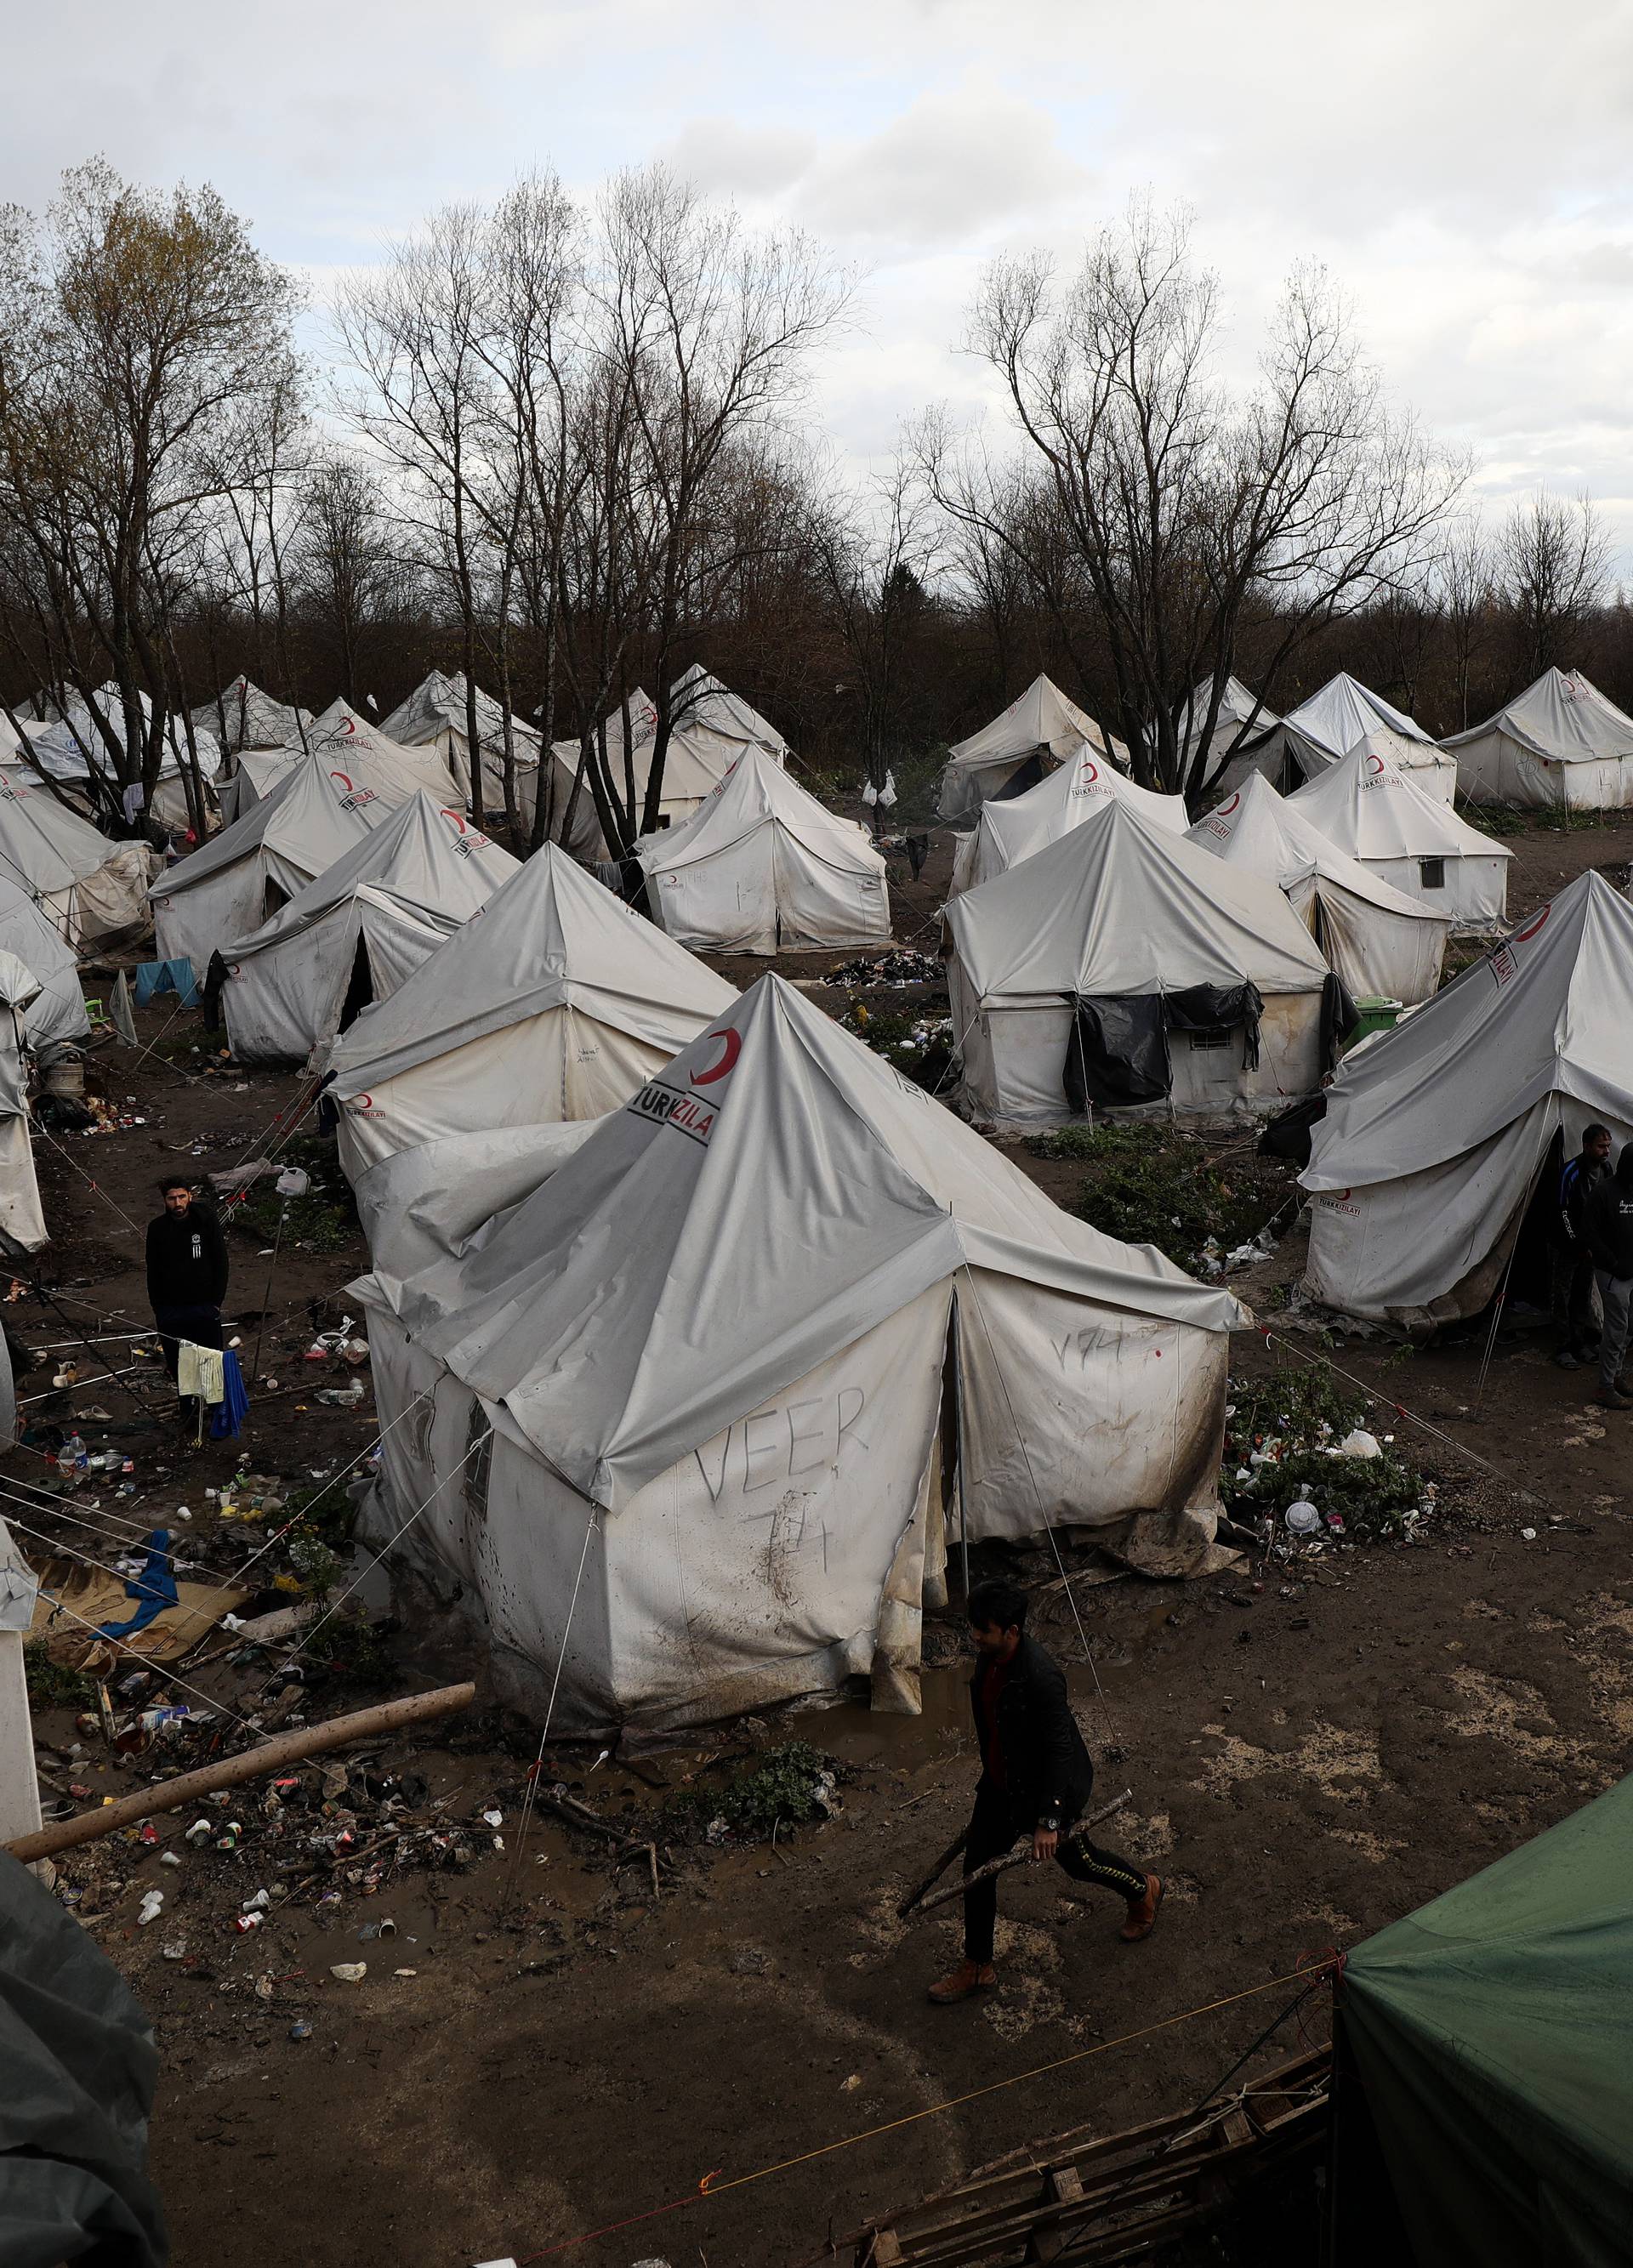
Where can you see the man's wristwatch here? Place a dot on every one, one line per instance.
(1050, 1825)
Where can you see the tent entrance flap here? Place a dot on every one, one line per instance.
(361, 991)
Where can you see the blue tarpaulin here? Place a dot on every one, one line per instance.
(156, 976)
(155, 1587)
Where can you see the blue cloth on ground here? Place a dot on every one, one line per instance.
(155, 977)
(155, 1587)
(231, 1411)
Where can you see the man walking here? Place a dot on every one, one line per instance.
(1608, 1232)
(187, 1275)
(1573, 1262)
(1036, 1777)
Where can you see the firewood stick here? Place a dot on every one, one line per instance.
(1018, 1858)
(935, 1874)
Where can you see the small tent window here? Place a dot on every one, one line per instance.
(1431, 873)
(1214, 1036)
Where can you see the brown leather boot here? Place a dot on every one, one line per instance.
(1143, 1912)
(968, 1977)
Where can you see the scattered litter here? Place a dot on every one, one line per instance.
(1529, 1535)
(1360, 1444)
(349, 1972)
(300, 2029)
(152, 1904)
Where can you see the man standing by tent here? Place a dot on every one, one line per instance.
(1573, 1262)
(1608, 1232)
(187, 1275)
(1036, 1777)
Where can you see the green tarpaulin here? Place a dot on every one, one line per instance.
(1493, 2032)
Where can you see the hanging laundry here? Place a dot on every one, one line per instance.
(235, 1408)
(199, 1374)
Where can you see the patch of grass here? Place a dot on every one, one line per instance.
(50, 1686)
(919, 1047)
(323, 1220)
(787, 1786)
(1153, 1185)
(349, 1650)
(1294, 1421)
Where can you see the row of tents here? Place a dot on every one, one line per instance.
(1561, 744)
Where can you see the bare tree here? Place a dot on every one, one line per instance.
(1152, 500)
(1466, 574)
(342, 564)
(1553, 570)
(134, 328)
(876, 553)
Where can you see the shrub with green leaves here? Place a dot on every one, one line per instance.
(1294, 1420)
(785, 1786)
(1155, 1185)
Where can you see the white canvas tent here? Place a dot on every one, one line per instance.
(56, 1016)
(721, 724)
(69, 746)
(712, 1350)
(356, 932)
(89, 886)
(1019, 826)
(236, 881)
(557, 1004)
(1434, 1133)
(22, 1223)
(1039, 729)
(1380, 815)
(1313, 736)
(1238, 705)
(1117, 923)
(1379, 942)
(434, 717)
(255, 772)
(244, 717)
(1560, 745)
(764, 867)
(341, 735)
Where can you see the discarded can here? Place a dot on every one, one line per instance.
(200, 1832)
(244, 1922)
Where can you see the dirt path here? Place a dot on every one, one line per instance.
(1309, 1759)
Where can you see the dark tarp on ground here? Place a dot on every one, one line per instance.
(77, 2064)
(1493, 2035)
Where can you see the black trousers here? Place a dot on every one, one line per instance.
(1573, 1298)
(993, 1828)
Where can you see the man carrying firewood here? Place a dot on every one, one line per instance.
(1036, 1777)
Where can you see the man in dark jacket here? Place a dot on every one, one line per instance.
(1573, 1262)
(1608, 1232)
(1036, 1778)
(187, 1273)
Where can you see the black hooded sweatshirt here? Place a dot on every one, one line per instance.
(186, 1259)
(1608, 1218)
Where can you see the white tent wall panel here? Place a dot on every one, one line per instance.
(1079, 1415)
(1375, 955)
(563, 1063)
(1475, 892)
(1498, 769)
(1015, 1062)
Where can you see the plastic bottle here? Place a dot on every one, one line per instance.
(75, 1452)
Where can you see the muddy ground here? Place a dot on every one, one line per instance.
(1312, 1748)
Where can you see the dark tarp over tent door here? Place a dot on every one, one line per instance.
(1493, 2036)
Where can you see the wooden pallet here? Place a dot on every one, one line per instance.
(1077, 2199)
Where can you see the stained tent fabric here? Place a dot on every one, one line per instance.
(1490, 2034)
(323, 806)
(712, 1346)
(1018, 828)
(1120, 910)
(1560, 745)
(345, 738)
(89, 886)
(764, 867)
(243, 717)
(57, 1016)
(1380, 815)
(434, 717)
(356, 932)
(559, 1002)
(81, 2068)
(1378, 940)
(1321, 730)
(1434, 1133)
(22, 1224)
(1040, 727)
(69, 743)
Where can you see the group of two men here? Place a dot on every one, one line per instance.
(1594, 1237)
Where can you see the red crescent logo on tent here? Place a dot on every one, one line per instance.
(347, 725)
(1091, 770)
(731, 1048)
(362, 1102)
(1375, 764)
(1226, 809)
(344, 782)
(1531, 927)
(454, 818)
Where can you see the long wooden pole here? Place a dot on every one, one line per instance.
(233, 1772)
(1018, 1858)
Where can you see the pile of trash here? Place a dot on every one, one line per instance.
(897, 968)
(1305, 1471)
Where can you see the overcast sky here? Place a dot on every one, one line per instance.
(1465, 166)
